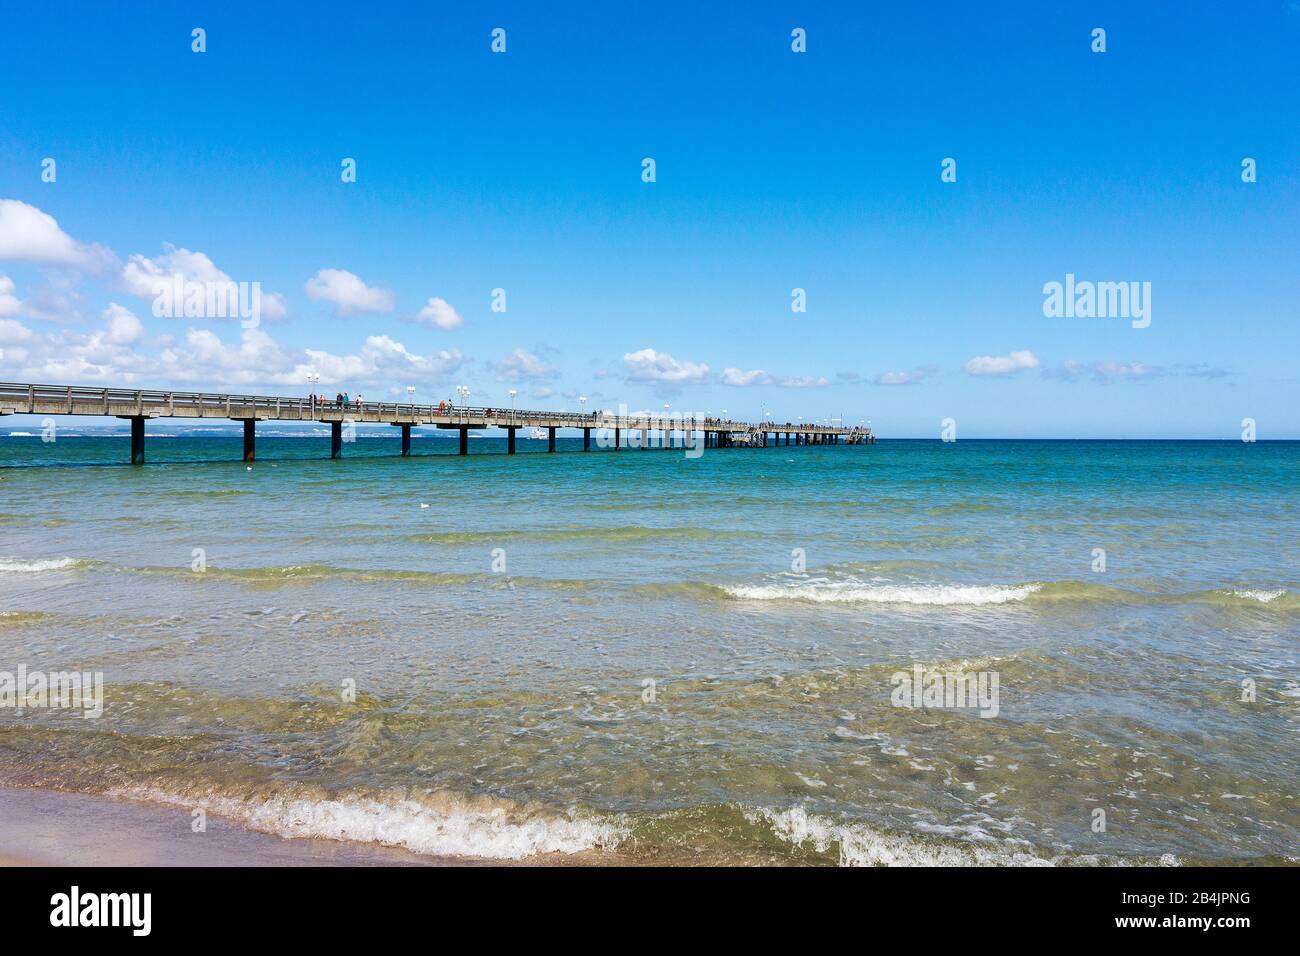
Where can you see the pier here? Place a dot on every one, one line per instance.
(629, 431)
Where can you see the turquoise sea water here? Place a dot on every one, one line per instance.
(665, 658)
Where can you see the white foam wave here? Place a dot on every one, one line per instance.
(860, 845)
(441, 825)
(823, 591)
(1256, 594)
(21, 566)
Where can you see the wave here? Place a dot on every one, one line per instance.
(448, 824)
(39, 565)
(822, 590)
(1264, 597)
(20, 618)
(437, 824)
(625, 533)
(856, 844)
(1274, 599)
(306, 574)
(204, 494)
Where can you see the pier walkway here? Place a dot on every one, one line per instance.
(138, 405)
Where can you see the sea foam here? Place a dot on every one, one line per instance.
(861, 845)
(823, 591)
(22, 566)
(441, 825)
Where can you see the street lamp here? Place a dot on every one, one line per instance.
(313, 377)
(513, 393)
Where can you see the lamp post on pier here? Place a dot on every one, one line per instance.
(313, 378)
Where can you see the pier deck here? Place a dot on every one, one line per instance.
(139, 405)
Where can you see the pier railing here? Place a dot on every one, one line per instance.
(138, 405)
(20, 398)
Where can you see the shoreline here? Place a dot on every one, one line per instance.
(65, 828)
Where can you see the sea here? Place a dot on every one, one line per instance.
(753, 656)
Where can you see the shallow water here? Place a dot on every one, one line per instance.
(502, 619)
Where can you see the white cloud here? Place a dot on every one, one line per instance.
(522, 365)
(742, 379)
(734, 376)
(439, 312)
(380, 359)
(802, 381)
(1106, 373)
(144, 277)
(13, 332)
(904, 378)
(29, 235)
(57, 300)
(648, 365)
(1002, 364)
(9, 303)
(348, 293)
(116, 355)
(123, 327)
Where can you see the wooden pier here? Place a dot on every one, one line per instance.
(629, 431)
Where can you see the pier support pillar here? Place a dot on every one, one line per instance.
(618, 437)
(645, 438)
(250, 438)
(510, 441)
(406, 441)
(336, 439)
(550, 438)
(464, 441)
(137, 440)
(586, 439)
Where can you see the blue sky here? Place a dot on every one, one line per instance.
(775, 170)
